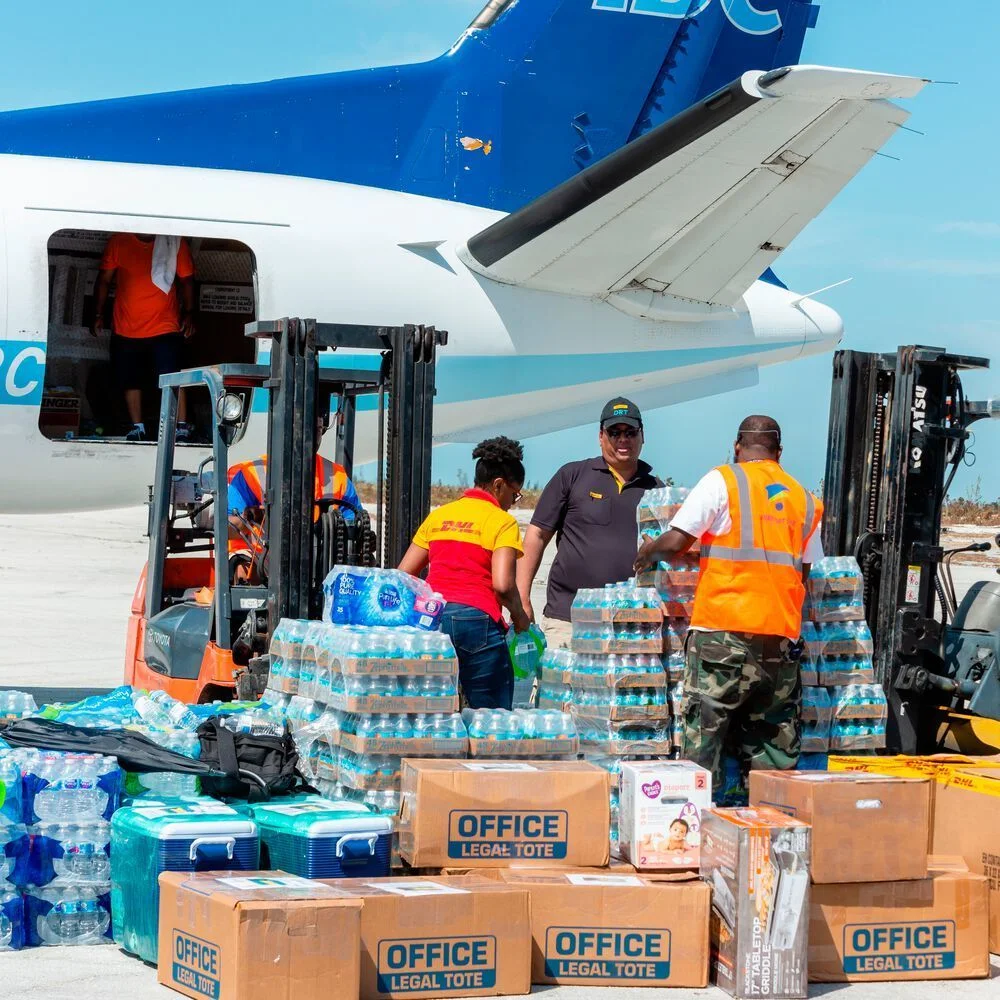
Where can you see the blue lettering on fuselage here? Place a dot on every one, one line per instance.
(742, 14)
(22, 372)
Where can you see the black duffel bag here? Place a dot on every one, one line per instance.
(256, 767)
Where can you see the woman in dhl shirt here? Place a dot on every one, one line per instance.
(471, 546)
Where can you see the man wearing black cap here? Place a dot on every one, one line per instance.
(589, 507)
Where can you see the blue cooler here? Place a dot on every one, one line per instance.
(320, 839)
(179, 836)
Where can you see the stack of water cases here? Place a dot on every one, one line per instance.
(150, 837)
(675, 581)
(842, 706)
(16, 705)
(317, 838)
(362, 697)
(618, 683)
(536, 734)
(55, 834)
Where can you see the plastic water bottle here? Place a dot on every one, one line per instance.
(16, 705)
(78, 852)
(151, 712)
(11, 919)
(69, 915)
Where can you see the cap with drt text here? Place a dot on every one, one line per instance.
(621, 411)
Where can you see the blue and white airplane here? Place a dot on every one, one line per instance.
(576, 190)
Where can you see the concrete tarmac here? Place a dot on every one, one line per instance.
(66, 585)
(103, 973)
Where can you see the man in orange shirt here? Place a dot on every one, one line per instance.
(149, 324)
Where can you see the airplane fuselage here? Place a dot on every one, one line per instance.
(518, 361)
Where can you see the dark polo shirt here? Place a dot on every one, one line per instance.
(595, 527)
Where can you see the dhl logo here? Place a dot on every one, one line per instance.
(462, 526)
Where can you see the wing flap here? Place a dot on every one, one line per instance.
(701, 206)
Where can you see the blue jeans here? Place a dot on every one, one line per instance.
(484, 668)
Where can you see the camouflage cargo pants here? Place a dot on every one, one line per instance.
(742, 694)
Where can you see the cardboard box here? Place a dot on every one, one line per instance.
(602, 929)
(757, 863)
(441, 937)
(930, 928)
(659, 819)
(257, 936)
(484, 814)
(965, 811)
(865, 828)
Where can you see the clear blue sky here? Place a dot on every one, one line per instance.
(920, 237)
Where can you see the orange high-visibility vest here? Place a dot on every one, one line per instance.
(751, 576)
(330, 479)
(331, 482)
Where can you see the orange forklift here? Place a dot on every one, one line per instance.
(204, 609)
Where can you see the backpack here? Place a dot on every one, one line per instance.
(256, 768)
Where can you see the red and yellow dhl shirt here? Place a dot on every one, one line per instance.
(460, 539)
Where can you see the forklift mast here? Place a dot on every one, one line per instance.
(898, 431)
(406, 385)
(294, 548)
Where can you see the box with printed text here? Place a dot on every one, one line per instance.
(865, 827)
(965, 811)
(486, 814)
(659, 823)
(257, 936)
(931, 928)
(757, 864)
(601, 929)
(441, 937)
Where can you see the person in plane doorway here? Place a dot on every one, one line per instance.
(759, 532)
(150, 321)
(589, 507)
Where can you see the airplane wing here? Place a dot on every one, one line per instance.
(700, 207)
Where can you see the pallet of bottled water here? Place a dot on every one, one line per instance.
(675, 582)
(539, 734)
(657, 508)
(54, 847)
(16, 705)
(618, 637)
(835, 591)
(860, 712)
(605, 737)
(624, 603)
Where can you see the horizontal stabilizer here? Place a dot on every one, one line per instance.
(700, 207)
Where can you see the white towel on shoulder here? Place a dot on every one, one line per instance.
(164, 268)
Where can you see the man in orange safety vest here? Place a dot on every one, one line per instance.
(759, 531)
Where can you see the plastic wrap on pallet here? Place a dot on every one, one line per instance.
(839, 671)
(539, 734)
(286, 655)
(657, 508)
(859, 701)
(817, 716)
(836, 590)
(651, 737)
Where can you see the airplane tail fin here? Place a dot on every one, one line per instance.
(551, 86)
(532, 92)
